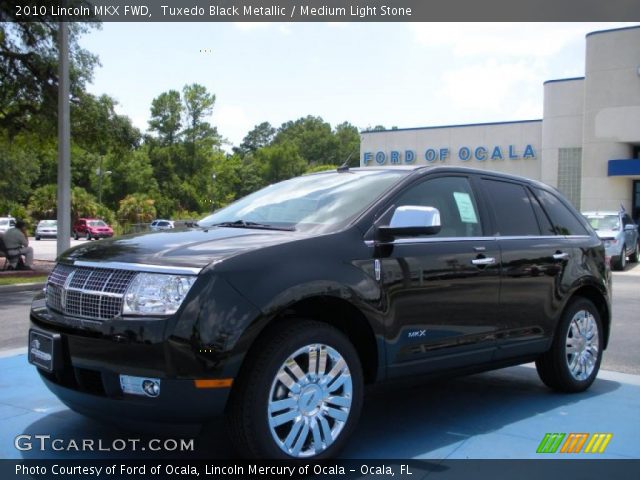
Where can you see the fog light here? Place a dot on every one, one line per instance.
(149, 387)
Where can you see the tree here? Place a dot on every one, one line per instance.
(137, 208)
(42, 203)
(348, 139)
(166, 110)
(198, 104)
(279, 162)
(260, 136)
(29, 71)
(313, 138)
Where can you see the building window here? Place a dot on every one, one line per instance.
(570, 174)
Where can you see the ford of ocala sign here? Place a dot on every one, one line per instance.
(465, 154)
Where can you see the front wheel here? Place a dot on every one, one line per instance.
(300, 395)
(633, 258)
(75, 235)
(621, 261)
(572, 363)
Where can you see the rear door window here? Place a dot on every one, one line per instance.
(512, 208)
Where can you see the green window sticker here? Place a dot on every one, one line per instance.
(465, 207)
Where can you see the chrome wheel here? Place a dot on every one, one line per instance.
(310, 400)
(582, 345)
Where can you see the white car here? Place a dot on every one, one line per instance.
(6, 223)
(160, 224)
(47, 229)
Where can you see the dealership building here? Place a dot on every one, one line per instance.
(587, 144)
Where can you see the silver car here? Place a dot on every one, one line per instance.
(619, 234)
(160, 224)
(47, 229)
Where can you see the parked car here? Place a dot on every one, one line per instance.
(6, 223)
(91, 228)
(619, 234)
(158, 225)
(46, 229)
(278, 309)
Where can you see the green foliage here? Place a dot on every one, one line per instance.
(279, 161)
(137, 208)
(177, 170)
(42, 203)
(29, 71)
(320, 168)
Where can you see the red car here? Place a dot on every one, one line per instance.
(91, 228)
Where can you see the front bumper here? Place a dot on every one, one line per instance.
(87, 379)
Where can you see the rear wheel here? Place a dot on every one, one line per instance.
(37, 237)
(88, 236)
(572, 363)
(75, 235)
(300, 396)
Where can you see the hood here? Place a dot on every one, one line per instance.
(605, 234)
(178, 248)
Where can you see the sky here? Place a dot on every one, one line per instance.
(391, 74)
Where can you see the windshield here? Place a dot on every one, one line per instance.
(97, 223)
(321, 202)
(4, 222)
(604, 222)
(48, 223)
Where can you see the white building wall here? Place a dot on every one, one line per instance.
(611, 124)
(562, 123)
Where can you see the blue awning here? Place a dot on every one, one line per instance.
(618, 168)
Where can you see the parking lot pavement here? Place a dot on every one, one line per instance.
(501, 414)
(45, 249)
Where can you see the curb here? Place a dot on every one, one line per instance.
(22, 287)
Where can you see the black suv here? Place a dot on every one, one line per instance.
(277, 310)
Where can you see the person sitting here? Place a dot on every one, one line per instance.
(17, 243)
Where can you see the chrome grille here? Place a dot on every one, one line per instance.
(95, 293)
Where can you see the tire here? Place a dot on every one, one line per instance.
(564, 371)
(75, 235)
(38, 238)
(261, 428)
(88, 236)
(621, 262)
(633, 258)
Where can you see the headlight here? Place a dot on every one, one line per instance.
(156, 293)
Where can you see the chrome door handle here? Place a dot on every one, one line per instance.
(560, 256)
(484, 261)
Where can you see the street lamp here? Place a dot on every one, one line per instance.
(100, 173)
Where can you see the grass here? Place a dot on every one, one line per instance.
(19, 280)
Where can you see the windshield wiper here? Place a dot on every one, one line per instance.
(246, 224)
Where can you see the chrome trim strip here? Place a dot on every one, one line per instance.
(140, 267)
(402, 241)
(99, 293)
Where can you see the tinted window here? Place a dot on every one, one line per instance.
(563, 219)
(512, 208)
(454, 198)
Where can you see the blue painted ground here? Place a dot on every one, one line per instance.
(501, 414)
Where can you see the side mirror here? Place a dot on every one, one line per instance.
(411, 221)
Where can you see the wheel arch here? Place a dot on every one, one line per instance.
(342, 315)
